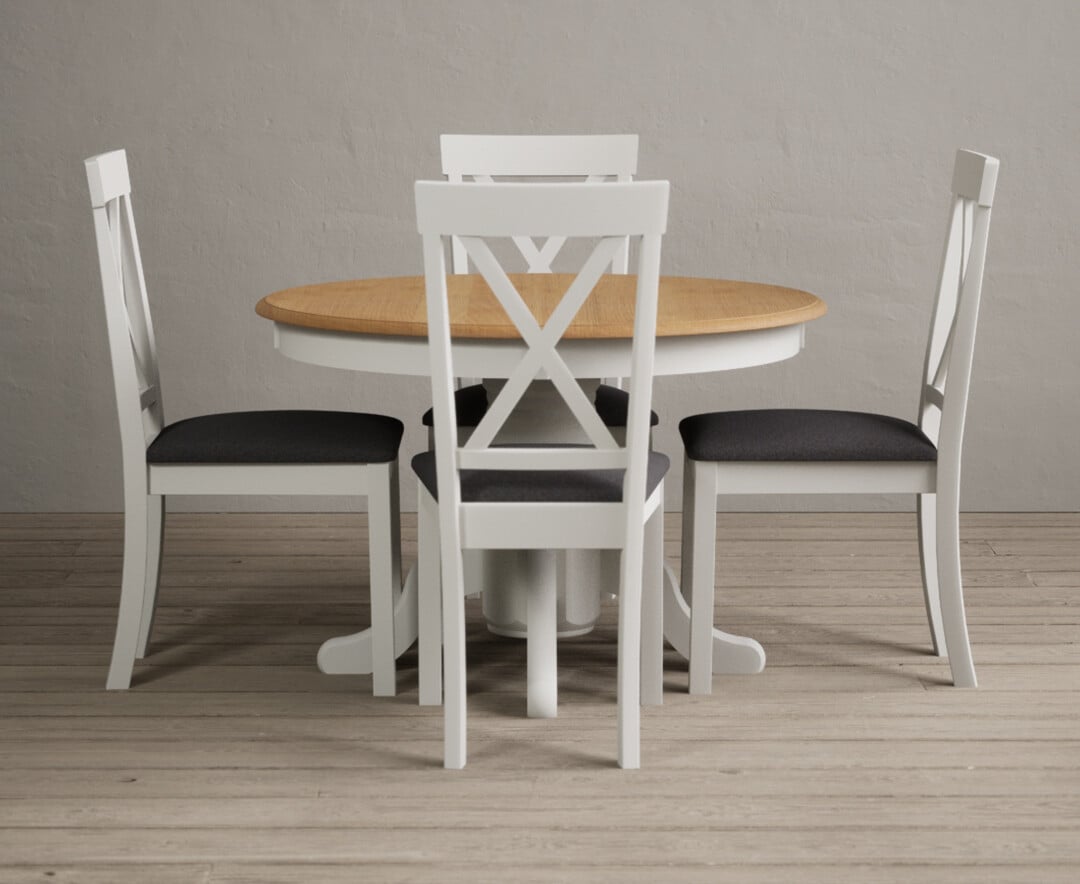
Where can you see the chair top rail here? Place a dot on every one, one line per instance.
(539, 155)
(503, 210)
(950, 346)
(975, 176)
(133, 350)
(107, 175)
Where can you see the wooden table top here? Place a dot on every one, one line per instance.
(395, 306)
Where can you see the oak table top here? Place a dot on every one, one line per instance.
(395, 306)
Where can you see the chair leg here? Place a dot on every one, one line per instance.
(925, 513)
(652, 612)
(429, 629)
(385, 575)
(541, 638)
(453, 629)
(953, 619)
(132, 591)
(628, 678)
(699, 562)
(155, 532)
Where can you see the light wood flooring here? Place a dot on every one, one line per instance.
(232, 759)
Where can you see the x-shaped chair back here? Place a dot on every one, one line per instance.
(473, 214)
(132, 346)
(951, 345)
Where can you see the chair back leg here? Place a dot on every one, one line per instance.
(652, 611)
(429, 591)
(132, 591)
(628, 678)
(453, 641)
(953, 621)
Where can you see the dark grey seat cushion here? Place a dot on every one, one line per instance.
(612, 404)
(471, 404)
(279, 437)
(538, 486)
(803, 435)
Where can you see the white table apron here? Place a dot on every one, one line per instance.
(498, 571)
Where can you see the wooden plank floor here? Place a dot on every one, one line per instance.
(233, 760)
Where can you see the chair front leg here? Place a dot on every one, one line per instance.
(155, 534)
(541, 639)
(926, 511)
(699, 562)
(384, 547)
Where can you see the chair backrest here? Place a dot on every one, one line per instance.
(132, 348)
(951, 344)
(485, 158)
(477, 213)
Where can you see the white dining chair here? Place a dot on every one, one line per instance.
(477, 494)
(252, 452)
(490, 159)
(803, 451)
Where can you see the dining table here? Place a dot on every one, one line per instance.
(379, 325)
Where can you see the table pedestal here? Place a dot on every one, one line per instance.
(581, 578)
(732, 654)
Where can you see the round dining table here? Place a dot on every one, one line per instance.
(380, 325)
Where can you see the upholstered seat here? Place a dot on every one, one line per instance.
(612, 404)
(471, 404)
(795, 434)
(539, 486)
(279, 437)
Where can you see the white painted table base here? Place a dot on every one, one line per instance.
(732, 654)
(383, 354)
(351, 654)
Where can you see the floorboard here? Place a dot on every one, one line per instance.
(234, 761)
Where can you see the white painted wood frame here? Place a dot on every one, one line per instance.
(942, 409)
(473, 214)
(140, 410)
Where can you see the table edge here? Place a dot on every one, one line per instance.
(265, 308)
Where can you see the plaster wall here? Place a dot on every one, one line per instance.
(275, 143)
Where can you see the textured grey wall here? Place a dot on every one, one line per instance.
(274, 143)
